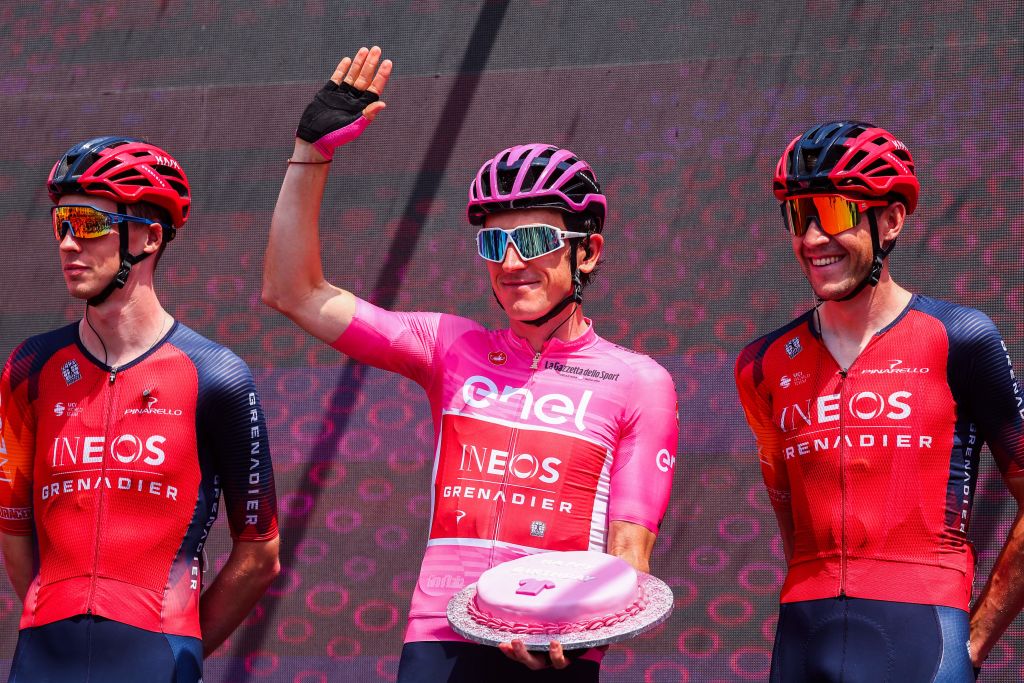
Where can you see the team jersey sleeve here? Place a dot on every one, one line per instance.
(17, 446)
(233, 419)
(768, 437)
(644, 458)
(983, 379)
(406, 343)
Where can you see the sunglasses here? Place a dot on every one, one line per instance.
(87, 222)
(531, 241)
(834, 213)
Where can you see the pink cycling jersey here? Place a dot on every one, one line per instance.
(533, 451)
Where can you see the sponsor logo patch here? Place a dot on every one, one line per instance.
(895, 368)
(665, 460)
(61, 409)
(796, 379)
(497, 357)
(793, 347)
(71, 372)
(580, 371)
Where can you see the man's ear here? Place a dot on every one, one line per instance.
(154, 238)
(891, 221)
(592, 247)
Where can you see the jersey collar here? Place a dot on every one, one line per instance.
(585, 340)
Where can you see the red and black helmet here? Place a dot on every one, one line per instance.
(127, 170)
(849, 158)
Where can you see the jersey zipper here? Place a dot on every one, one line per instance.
(844, 379)
(108, 411)
(512, 441)
(843, 375)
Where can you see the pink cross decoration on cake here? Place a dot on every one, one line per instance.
(533, 586)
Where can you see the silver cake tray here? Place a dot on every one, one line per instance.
(659, 606)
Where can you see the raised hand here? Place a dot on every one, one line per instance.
(348, 102)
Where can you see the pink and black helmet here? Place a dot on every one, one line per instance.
(535, 176)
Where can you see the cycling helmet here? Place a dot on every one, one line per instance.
(847, 157)
(535, 176)
(127, 170)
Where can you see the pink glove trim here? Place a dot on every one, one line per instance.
(328, 143)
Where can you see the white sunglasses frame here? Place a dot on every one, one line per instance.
(561, 234)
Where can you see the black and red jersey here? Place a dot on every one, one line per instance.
(119, 473)
(877, 464)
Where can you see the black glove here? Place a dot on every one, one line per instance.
(335, 117)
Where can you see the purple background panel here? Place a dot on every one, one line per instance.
(682, 108)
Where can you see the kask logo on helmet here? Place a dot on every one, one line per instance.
(166, 161)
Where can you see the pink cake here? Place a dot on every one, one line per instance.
(557, 592)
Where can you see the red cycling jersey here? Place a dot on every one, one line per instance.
(119, 473)
(534, 451)
(876, 464)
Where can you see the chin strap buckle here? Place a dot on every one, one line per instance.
(121, 278)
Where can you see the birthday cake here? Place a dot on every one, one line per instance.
(557, 592)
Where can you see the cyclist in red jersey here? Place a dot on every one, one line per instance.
(117, 435)
(547, 436)
(869, 413)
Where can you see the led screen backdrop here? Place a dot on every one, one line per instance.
(682, 107)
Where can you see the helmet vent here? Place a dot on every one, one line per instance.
(168, 171)
(880, 167)
(62, 169)
(533, 173)
(485, 181)
(131, 177)
(832, 157)
(810, 159)
(879, 141)
(860, 156)
(107, 167)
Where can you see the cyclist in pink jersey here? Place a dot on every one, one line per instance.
(547, 436)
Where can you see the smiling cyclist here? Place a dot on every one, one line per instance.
(869, 412)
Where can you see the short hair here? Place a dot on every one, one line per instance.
(590, 224)
(157, 214)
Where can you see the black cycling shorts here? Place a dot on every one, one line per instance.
(852, 640)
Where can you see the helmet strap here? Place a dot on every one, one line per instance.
(575, 296)
(877, 261)
(128, 260)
